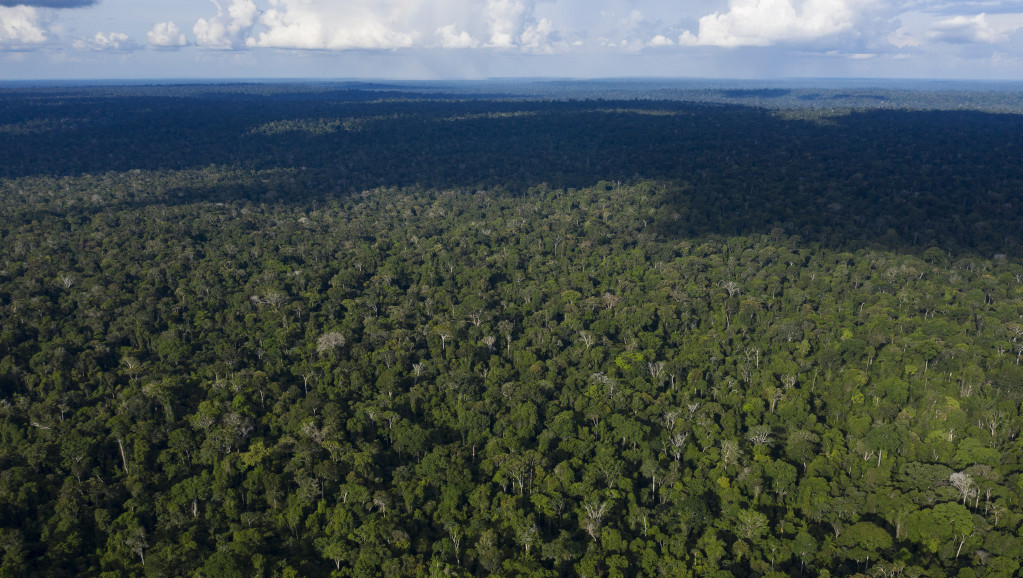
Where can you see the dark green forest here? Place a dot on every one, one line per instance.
(329, 330)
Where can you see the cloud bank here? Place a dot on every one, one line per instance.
(377, 25)
(112, 42)
(325, 25)
(767, 22)
(969, 30)
(586, 37)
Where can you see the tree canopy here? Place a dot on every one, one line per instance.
(746, 356)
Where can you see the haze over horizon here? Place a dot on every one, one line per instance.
(472, 39)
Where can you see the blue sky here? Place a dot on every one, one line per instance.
(429, 39)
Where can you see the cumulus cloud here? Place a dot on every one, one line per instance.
(112, 42)
(967, 30)
(21, 26)
(450, 37)
(376, 25)
(635, 30)
(767, 22)
(661, 40)
(538, 37)
(166, 35)
(49, 3)
(326, 25)
(513, 24)
(226, 30)
(506, 19)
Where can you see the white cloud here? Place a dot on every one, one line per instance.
(226, 31)
(513, 24)
(374, 25)
(903, 38)
(451, 38)
(326, 25)
(166, 35)
(661, 40)
(537, 37)
(506, 20)
(926, 31)
(112, 42)
(20, 26)
(967, 30)
(396, 24)
(767, 22)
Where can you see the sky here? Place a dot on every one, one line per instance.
(477, 39)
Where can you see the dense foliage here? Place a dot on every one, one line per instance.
(421, 336)
(892, 179)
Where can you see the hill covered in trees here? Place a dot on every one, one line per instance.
(364, 330)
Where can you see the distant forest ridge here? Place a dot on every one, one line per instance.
(824, 93)
(849, 166)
